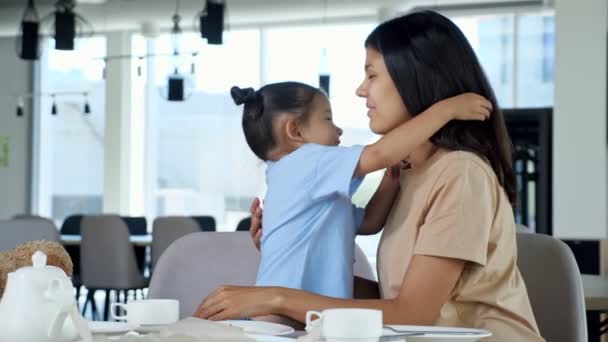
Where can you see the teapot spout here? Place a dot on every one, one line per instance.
(56, 329)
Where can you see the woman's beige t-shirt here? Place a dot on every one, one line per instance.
(453, 206)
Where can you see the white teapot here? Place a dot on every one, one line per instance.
(36, 302)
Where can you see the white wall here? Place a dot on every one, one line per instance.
(15, 79)
(579, 135)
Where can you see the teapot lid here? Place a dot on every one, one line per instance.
(40, 269)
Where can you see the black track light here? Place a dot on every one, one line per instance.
(28, 44)
(20, 106)
(54, 108)
(65, 30)
(211, 22)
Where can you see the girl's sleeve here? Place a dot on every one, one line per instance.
(334, 171)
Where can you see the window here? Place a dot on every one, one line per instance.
(535, 60)
(71, 143)
(517, 53)
(492, 39)
(199, 162)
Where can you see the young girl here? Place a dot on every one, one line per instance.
(309, 221)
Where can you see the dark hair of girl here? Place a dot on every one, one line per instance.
(429, 59)
(263, 106)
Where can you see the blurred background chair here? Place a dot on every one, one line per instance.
(165, 230)
(107, 259)
(196, 264)
(16, 232)
(71, 226)
(138, 225)
(554, 286)
(206, 223)
(243, 225)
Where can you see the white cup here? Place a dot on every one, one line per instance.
(339, 325)
(148, 312)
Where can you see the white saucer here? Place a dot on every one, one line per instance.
(443, 334)
(100, 327)
(270, 338)
(260, 328)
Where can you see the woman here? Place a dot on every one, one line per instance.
(448, 253)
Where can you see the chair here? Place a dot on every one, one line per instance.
(243, 225)
(165, 230)
(16, 232)
(196, 264)
(206, 223)
(107, 258)
(138, 226)
(71, 226)
(29, 217)
(554, 286)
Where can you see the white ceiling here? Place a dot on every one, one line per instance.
(112, 15)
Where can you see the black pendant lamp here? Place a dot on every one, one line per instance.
(28, 41)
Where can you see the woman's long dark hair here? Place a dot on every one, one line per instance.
(429, 59)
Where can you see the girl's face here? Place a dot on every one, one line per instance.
(386, 109)
(319, 127)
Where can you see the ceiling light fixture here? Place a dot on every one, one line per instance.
(28, 39)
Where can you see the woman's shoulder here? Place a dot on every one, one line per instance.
(462, 163)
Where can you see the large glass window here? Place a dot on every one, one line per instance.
(70, 141)
(535, 60)
(199, 162)
(517, 53)
(492, 39)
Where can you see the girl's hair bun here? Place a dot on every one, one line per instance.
(241, 96)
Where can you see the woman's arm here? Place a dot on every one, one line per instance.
(426, 287)
(381, 203)
(397, 144)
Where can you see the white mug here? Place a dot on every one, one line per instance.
(338, 325)
(148, 311)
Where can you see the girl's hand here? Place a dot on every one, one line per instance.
(467, 106)
(256, 223)
(230, 302)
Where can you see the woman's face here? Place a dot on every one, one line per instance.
(386, 109)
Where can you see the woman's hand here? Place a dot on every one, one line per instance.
(230, 302)
(256, 223)
(467, 106)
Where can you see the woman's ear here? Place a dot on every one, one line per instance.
(293, 131)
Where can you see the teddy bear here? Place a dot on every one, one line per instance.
(21, 256)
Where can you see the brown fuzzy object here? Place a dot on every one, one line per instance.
(21, 256)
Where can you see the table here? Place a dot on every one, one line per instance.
(136, 240)
(595, 288)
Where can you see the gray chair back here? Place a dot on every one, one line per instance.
(196, 264)
(165, 230)
(107, 258)
(16, 232)
(554, 286)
